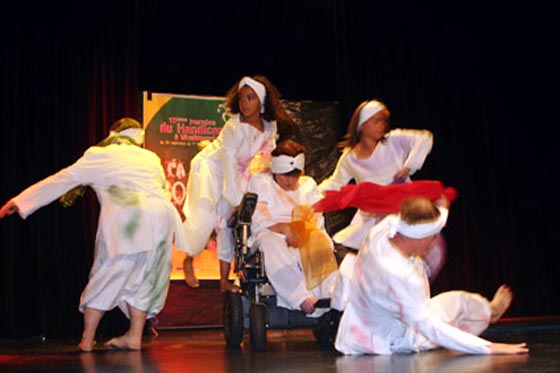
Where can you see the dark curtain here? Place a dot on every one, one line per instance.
(479, 76)
(68, 71)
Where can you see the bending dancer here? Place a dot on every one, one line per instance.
(298, 254)
(136, 228)
(219, 173)
(390, 310)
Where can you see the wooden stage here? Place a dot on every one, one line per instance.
(202, 350)
(190, 339)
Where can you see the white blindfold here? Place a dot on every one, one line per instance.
(420, 230)
(283, 164)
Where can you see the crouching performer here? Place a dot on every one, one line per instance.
(298, 254)
(390, 310)
(136, 230)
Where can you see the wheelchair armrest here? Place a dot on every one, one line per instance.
(323, 303)
(244, 212)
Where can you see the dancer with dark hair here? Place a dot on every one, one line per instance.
(219, 173)
(372, 152)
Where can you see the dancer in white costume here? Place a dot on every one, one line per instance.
(279, 192)
(390, 310)
(372, 153)
(137, 225)
(219, 173)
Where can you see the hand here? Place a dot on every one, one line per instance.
(402, 175)
(308, 305)
(286, 230)
(291, 238)
(8, 209)
(509, 348)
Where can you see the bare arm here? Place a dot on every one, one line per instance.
(284, 228)
(509, 348)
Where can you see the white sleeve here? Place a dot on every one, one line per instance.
(341, 175)
(47, 190)
(313, 194)
(262, 217)
(231, 188)
(417, 144)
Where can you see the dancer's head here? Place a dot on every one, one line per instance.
(128, 127)
(370, 120)
(288, 163)
(419, 222)
(260, 88)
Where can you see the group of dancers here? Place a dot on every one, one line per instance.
(382, 288)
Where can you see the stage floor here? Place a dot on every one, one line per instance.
(287, 351)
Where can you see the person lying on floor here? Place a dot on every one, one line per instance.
(390, 309)
(298, 254)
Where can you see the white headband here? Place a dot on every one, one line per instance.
(136, 134)
(373, 107)
(258, 87)
(283, 164)
(419, 230)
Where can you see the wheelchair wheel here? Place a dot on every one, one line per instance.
(258, 327)
(233, 319)
(325, 330)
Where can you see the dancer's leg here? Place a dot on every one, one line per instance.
(188, 270)
(132, 339)
(91, 321)
(501, 302)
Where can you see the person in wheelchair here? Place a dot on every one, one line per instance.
(298, 253)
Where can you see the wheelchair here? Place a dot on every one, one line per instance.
(254, 307)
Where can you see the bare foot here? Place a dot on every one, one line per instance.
(123, 343)
(308, 305)
(86, 346)
(188, 270)
(501, 302)
(228, 286)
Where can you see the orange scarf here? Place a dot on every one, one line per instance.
(314, 246)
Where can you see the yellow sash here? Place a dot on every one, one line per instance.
(314, 246)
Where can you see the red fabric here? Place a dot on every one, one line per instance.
(375, 198)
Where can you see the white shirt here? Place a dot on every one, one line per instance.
(389, 305)
(132, 192)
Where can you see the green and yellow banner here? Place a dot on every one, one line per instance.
(176, 127)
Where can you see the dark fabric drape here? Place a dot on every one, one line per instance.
(480, 78)
(68, 71)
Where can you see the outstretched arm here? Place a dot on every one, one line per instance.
(508, 348)
(8, 209)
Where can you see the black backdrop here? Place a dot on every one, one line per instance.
(482, 78)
